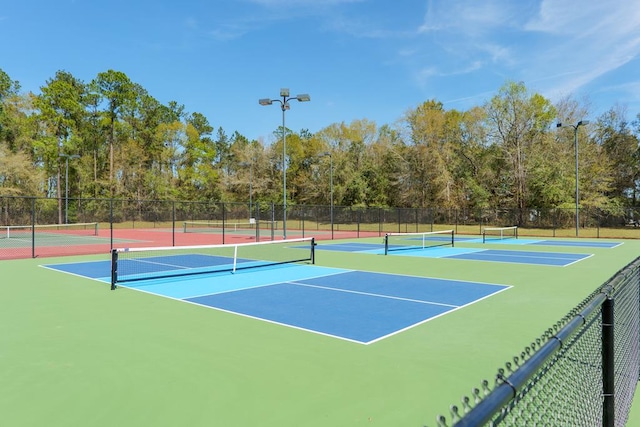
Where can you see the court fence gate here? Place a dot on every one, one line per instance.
(583, 371)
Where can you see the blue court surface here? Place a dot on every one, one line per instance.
(558, 259)
(356, 306)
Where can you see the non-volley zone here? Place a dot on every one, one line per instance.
(357, 306)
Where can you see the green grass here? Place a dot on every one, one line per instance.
(72, 352)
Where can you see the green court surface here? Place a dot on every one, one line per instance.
(73, 352)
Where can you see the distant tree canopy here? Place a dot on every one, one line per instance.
(119, 141)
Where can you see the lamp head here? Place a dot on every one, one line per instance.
(284, 92)
(303, 97)
(265, 101)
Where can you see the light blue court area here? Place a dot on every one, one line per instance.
(357, 306)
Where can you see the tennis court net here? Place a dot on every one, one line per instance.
(48, 230)
(499, 233)
(136, 264)
(412, 241)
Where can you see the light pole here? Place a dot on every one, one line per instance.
(330, 185)
(284, 105)
(575, 143)
(66, 184)
(250, 164)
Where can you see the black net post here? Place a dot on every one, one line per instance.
(114, 268)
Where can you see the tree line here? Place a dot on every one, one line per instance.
(115, 140)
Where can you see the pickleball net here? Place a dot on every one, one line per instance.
(417, 240)
(499, 233)
(48, 230)
(138, 264)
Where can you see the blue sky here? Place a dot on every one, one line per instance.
(357, 59)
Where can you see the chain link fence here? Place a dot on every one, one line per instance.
(582, 372)
(168, 219)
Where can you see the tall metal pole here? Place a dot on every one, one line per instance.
(251, 190)
(330, 185)
(66, 191)
(284, 170)
(331, 189)
(284, 104)
(577, 191)
(575, 142)
(66, 184)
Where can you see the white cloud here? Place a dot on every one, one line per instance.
(469, 15)
(592, 39)
(563, 45)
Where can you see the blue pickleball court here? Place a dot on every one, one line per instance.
(357, 306)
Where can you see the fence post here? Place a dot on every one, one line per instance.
(273, 221)
(223, 221)
(173, 223)
(608, 364)
(111, 223)
(33, 227)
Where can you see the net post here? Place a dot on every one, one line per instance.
(114, 268)
(452, 238)
(235, 257)
(313, 250)
(386, 244)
